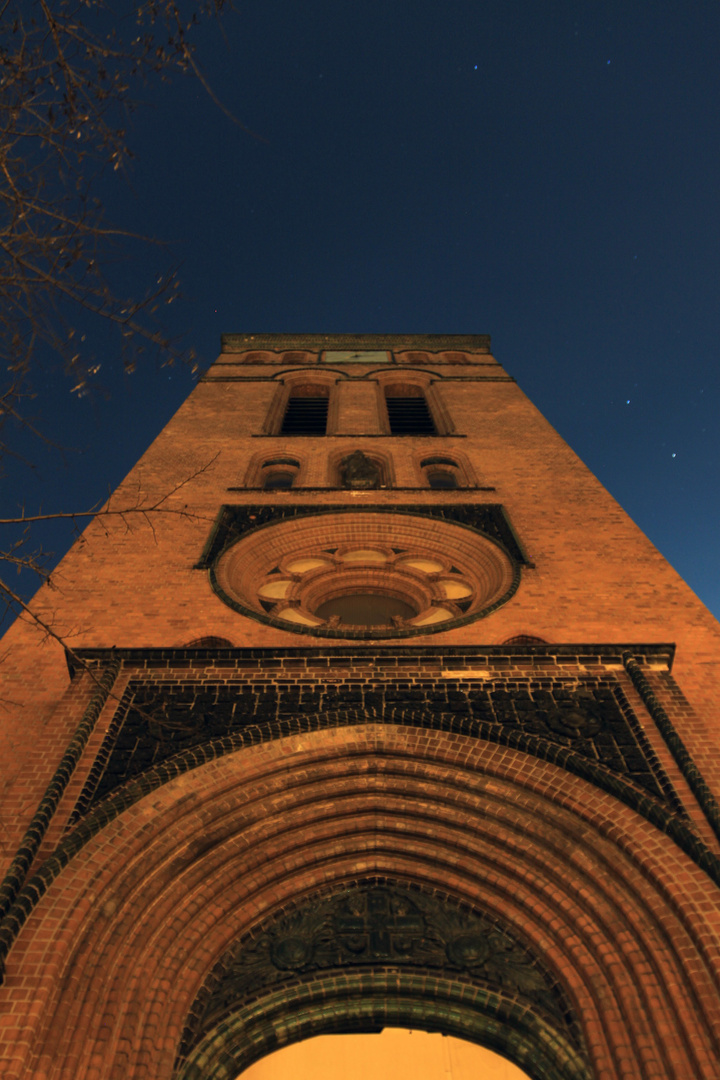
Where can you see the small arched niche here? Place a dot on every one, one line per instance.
(279, 473)
(441, 473)
(389, 1054)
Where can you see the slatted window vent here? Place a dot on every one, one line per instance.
(409, 416)
(305, 416)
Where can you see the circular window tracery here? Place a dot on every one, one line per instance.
(365, 609)
(365, 575)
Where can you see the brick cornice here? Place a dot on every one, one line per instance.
(457, 658)
(278, 342)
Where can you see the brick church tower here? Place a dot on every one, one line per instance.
(386, 715)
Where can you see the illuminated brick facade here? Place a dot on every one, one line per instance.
(400, 724)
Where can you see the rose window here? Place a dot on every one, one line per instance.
(364, 574)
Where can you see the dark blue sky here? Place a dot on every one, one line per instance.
(547, 173)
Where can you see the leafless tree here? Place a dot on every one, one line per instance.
(71, 74)
(129, 514)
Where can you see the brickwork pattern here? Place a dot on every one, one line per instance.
(592, 718)
(597, 855)
(164, 889)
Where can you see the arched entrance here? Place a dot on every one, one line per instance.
(376, 954)
(392, 1054)
(187, 910)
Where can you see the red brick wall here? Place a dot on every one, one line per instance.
(114, 952)
(625, 919)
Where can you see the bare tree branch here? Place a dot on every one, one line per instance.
(21, 558)
(110, 511)
(70, 76)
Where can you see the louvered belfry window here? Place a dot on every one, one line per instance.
(409, 415)
(305, 415)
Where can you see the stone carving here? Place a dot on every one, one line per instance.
(384, 928)
(380, 925)
(359, 472)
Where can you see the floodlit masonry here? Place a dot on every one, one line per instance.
(390, 717)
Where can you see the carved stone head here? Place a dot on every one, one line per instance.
(358, 471)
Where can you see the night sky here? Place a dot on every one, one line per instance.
(547, 173)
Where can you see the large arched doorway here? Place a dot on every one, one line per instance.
(391, 1054)
(379, 954)
(548, 908)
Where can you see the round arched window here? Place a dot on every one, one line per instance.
(364, 574)
(441, 473)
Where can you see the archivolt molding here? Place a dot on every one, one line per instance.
(414, 377)
(378, 934)
(368, 374)
(163, 891)
(301, 376)
(385, 999)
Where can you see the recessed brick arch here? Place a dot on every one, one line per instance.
(282, 458)
(419, 376)
(361, 1002)
(324, 376)
(374, 953)
(301, 382)
(159, 894)
(455, 460)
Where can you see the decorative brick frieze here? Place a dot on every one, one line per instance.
(590, 717)
(375, 927)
